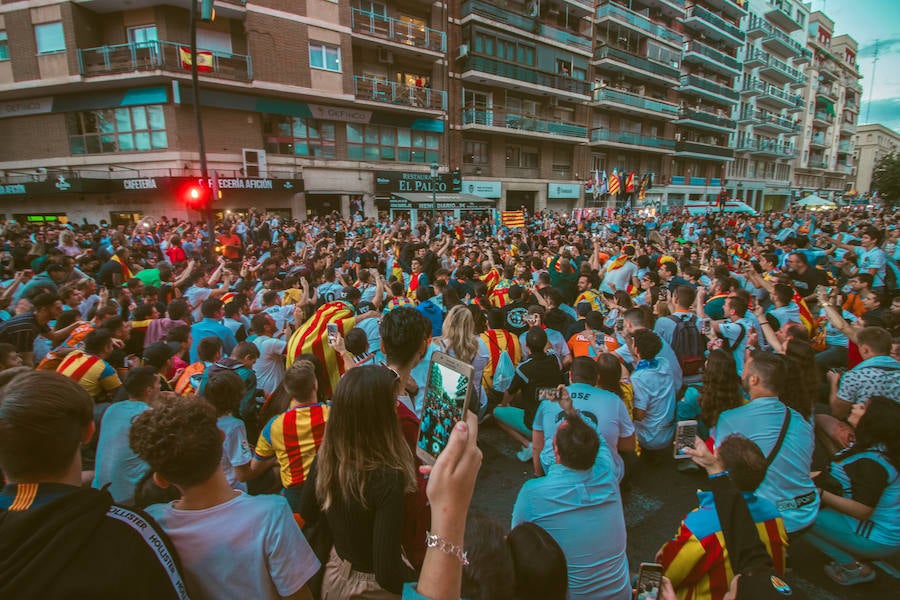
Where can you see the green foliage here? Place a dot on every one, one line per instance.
(886, 179)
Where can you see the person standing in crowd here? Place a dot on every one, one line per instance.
(654, 393)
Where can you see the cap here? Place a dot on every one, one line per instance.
(156, 354)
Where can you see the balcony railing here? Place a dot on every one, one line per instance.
(827, 91)
(709, 86)
(716, 21)
(719, 57)
(526, 75)
(766, 118)
(754, 86)
(389, 92)
(625, 137)
(785, 39)
(757, 26)
(638, 62)
(498, 117)
(704, 149)
(782, 67)
(818, 139)
(845, 146)
(623, 15)
(781, 16)
(530, 24)
(629, 99)
(402, 32)
(817, 164)
(792, 99)
(164, 56)
(705, 117)
(820, 115)
(770, 147)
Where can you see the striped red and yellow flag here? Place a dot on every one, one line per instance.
(513, 218)
(126, 272)
(806, 316)
(613, 184)
(629, 183)
(499, 341)
(491, 279)
(312, 338)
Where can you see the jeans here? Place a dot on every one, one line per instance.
(834, 535)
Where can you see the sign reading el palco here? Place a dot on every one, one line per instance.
(387, 182)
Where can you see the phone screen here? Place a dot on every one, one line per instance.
(547, 393)
(332, 330)
(649, 581)
(444, 405)
(685, 432)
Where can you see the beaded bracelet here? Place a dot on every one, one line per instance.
(434, 541)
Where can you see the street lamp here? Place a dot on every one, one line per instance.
(434, 176)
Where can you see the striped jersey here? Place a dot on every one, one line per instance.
(592, 297)
(312, 338)
(294, 438)
(696, 559)
(91, 372)
(498, 341)
(499, 296)
(397, 302)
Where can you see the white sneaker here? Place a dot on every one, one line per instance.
(524, 454)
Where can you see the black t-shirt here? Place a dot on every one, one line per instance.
(807, 282)
(514, 315)
(20, 331)
(537, 371)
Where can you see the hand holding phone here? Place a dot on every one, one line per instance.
(685, 435)
(649, 581)
(333, 333)
(447, 396)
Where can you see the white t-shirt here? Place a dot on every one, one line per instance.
(269, 368)
(248, 547)
(235, 449)
(621, 278)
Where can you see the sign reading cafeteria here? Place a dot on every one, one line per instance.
(387, 182)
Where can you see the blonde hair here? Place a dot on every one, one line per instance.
(362, 436)
(458, 333)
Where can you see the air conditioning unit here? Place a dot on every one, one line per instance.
(385, 56)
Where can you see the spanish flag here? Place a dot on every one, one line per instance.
(126, 272)
(513, 218)
(204, 59)
(613, 184)
(312, 338)
(629, 183)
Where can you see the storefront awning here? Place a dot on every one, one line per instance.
(445, 201)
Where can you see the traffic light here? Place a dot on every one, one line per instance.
(196, 196)
(207, 11)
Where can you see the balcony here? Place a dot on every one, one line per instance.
(754, 57)
(753, 87)
(623, 101)
(766, 121)
(604, 137)
(852, 106)
(400, 32)
(818, 140)
(780, 71)
(497, 118)
(714, 91)
(671, 8)
(845, 147)
(608, 58)
(778, 98)
(804, 56)
(620, 14)
(160, 56)
(513, 76)
(817, 164)
(389, 92)
(713, 26)
(780, 42)
(699, 119)
(781, 16)
(699, 53)
(531, 25)
(771, 148)
(827, 93)
(848, 127)
(757, 27)
(731, 8)
(822, 118)
(701, 150)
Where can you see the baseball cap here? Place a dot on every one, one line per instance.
(156, 354)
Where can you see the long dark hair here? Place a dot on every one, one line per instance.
(721, 386)
(879, 426)
(801, 385)
(609, 374)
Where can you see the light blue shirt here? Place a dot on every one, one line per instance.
(582, 511)
(872, 259)
(788, 476)
(655, 392)
(210, 327)
(731, 331)
(666, 354)
(117, 464)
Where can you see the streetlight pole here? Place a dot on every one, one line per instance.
(201, 143)
(434, 176)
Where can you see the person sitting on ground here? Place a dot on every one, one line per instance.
(209, 350)
(232, 544)
(57, 538)
(654, 393)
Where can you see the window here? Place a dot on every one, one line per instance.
(143, 34)
(325, 57)
(506, 50)
(216, 41)
(299, 136)
(4, 46)
(50, 37)
(523, 157)
(371, 142)
(475, 153)
(126, 129)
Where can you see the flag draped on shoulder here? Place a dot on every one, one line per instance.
(513, 219)
(126, 271)
(312, 338)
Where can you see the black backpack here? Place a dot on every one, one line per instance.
(687, 342)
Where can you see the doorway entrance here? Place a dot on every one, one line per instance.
(517, 199)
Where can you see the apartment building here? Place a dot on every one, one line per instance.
(308, 107)
(832, 99)
(768, 117)
(871, 143)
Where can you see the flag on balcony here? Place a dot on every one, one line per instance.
(513, 219)
(629, 183)
(643, 191)
(204, 59)
(613, 183)
(604, 184)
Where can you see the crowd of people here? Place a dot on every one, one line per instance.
(196, 414)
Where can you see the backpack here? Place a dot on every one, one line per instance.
(688, 344)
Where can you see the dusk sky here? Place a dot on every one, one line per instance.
(867, 21)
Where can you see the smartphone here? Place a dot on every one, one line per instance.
(620, 323)
(448, 392)
(704, 325)
(548, 393)
(685, 432)
(332, 330)
(649, 581)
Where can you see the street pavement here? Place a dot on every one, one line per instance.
(655, 501)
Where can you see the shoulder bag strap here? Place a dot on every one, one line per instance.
(784, 427)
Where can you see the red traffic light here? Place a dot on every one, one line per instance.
(196, 196)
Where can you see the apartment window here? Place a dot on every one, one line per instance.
(145, 34)
(503, 49)
(298, 136)
(127, 129)
(325, 57)
(4, 46)
(370, 142)
(475, 153)
(523, 157)
(50, 37)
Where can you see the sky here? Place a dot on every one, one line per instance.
(867, 21)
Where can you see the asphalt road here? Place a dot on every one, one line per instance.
(655, 502)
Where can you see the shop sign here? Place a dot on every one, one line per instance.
(21, 108)
(387, 182)
(485, 189)
(564, 190)
(336, 113)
